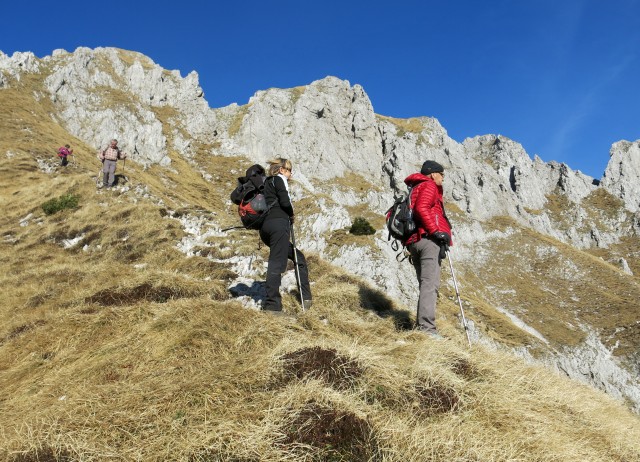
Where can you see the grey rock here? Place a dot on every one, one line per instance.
(622, 173)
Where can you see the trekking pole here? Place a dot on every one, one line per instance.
(455, 284)
(98, 179)
(295, 261)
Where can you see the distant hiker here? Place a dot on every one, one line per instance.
(109, 158)
(63, 153)
(429, 243)
(275, 233)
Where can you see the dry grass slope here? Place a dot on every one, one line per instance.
(128, 350)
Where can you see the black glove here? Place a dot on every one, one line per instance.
(443, 252)
(441, 237)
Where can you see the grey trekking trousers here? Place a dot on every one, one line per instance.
(109, 171)
(424, 255)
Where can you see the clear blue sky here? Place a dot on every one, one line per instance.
(561, 77)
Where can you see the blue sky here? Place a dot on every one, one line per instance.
(561, 77)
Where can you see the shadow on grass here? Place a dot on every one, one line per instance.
(257, 290)
(142, 292)
(120, 179)
(384, 307)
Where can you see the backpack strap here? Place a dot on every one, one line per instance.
(269, 206)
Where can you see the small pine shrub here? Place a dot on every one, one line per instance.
(68, 201)
(361, 227)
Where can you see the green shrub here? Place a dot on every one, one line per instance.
(361, 227)
(68, 201)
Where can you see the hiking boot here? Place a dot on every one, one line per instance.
(431, 334)
(435, 335)
(275, 312)
(278, 314)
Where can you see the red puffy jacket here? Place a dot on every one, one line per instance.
(428, 208)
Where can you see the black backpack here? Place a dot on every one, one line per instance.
(249, 197)
(400, 224)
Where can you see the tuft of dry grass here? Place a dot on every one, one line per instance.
(411, 125)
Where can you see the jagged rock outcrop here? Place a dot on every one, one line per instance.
(323, 127)
(622, 173)
(17, 64)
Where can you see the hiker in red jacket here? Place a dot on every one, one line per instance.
(429, 243)
(63, 153)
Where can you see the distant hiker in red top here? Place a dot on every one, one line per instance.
(428, 244)
(109, 158)
(63, 152)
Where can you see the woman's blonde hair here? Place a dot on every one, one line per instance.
(276, 164)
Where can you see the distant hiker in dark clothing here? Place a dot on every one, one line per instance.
(109, 158)
(429, 243)
(275, 233)
(63, 153)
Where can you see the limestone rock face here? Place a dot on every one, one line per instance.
(593, 363)
(327, 128)
(17, 64)
(622, 173)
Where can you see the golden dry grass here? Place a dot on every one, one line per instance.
(412, 125)
(129, 350)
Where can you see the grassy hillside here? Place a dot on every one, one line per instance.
(556, 289)
(116, 346)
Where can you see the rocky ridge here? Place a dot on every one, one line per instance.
(330, 130)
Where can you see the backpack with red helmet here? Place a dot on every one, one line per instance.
(249, 197)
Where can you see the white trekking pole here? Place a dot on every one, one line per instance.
(455, 284)
(295, 262)
(99, 177)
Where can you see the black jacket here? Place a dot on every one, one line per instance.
(275, 192)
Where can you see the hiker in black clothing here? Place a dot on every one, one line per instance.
(275, 233)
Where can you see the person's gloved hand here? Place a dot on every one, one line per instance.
(442, 237)
(443, 252)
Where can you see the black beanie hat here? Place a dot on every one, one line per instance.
(431, 166)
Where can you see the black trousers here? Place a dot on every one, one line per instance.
(275, 234)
